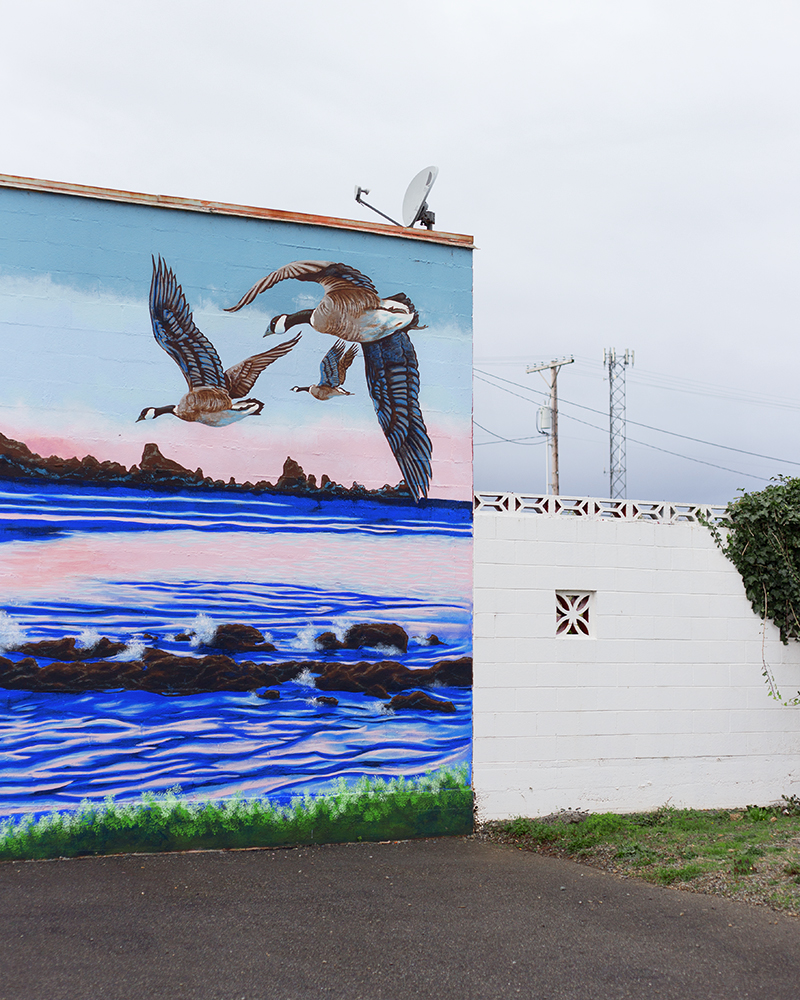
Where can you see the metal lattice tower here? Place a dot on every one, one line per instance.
(616, 419)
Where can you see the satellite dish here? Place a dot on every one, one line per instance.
(415, 205)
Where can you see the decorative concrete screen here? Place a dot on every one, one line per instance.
(235, 468)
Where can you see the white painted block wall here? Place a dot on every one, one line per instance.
(664, 703)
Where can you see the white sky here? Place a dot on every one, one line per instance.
(629, 170)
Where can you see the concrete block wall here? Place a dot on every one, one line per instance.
(664, 702)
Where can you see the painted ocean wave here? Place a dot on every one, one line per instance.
(104, 571)
(59, 750)
(44, 509)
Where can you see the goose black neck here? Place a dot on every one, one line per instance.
(295, 319)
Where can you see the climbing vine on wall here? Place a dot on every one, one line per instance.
(762, 540)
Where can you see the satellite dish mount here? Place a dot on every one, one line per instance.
(415, 204)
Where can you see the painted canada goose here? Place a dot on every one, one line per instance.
(215, 396)
(332, 373)
(352, 310)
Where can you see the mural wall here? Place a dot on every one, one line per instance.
(235, 512)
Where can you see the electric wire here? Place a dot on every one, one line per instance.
(636, 423)
(675, 383)
(644, 444)
(666, 451)
(523, 440)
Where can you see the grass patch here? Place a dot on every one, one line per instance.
(751, 853)
(667, 874)
(371, 809)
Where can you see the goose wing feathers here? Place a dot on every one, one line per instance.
(174, 329)
(241, 378)
(352, 291)
(393, 379)
(333, 369)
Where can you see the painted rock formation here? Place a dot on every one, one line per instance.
(420, 702)
(377, 635)
(165, 673)
(157, 472)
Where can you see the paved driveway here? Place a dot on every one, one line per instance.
(452, 918)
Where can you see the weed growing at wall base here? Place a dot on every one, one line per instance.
(371, 809)
(752, 854)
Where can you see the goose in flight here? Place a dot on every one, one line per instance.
(212, 391)
(352, 310)
(332, 373)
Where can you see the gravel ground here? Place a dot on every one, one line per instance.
(766, 884)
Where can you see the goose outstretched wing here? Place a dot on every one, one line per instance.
(352, 291)
(241, 378)
(174, 329)
(333, 369)
(393, 380)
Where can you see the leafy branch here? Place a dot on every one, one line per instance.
(762, 540)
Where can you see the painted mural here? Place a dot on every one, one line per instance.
(236, 611)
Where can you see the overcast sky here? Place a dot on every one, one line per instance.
(629, 170)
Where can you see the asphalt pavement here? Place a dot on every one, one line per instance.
(448, 919)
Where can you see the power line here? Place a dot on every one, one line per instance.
(526, 398)
(526, 441)
(649, 427)
(666, 451)
(644, 444)
(674, 383)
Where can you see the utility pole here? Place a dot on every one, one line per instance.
(616, 419)
(553, 366)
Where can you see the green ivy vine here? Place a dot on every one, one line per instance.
(762, 540)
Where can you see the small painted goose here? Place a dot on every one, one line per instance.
(332, 373)
(352, 310)
(212, 391)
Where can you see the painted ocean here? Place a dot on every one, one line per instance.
(142, 568)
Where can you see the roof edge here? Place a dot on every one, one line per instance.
(224, 208)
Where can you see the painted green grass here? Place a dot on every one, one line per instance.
(751, 853)
(437, 804)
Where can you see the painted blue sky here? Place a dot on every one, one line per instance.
(81, 361)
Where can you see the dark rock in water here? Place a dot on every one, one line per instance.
(184, 637)
(236, 638)
(20, 674)
(327, 643)
(326, 700)
(378, 679)
(149, 636)
(376, 634)
(165, 673)
(420, 702)
(54, 649)
(453, 673)
(269, 695)
(158, 671)
(102, 648)
(64, 649)
(433, 640)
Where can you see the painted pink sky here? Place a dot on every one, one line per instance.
(437, 569)
(247, 453)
